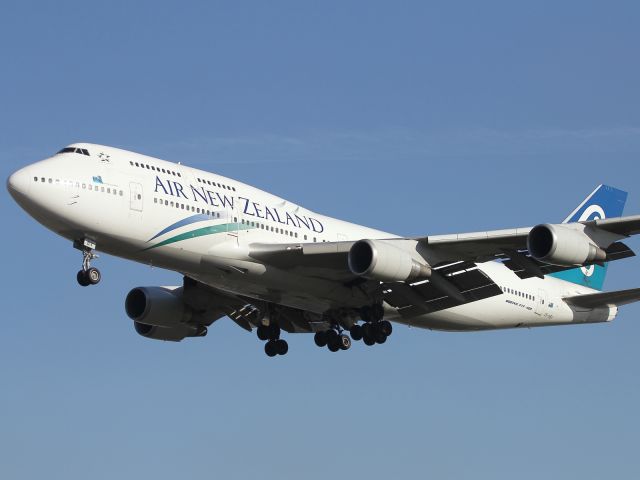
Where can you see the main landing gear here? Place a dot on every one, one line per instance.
(373, 330)
(275, 345)
(88, 275)
(333, 339)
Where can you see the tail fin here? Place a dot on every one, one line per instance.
(603, 202)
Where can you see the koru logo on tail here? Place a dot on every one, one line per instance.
(592, 212)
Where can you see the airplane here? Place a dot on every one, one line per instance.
(273, 266)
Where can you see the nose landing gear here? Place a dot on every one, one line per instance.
(88, 275)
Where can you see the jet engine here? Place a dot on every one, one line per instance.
(563, 245)
(383, 261)
(160, 313)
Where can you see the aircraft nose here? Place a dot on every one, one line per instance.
(18, 183)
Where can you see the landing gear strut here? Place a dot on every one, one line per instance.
(275, 345)
(88, 275)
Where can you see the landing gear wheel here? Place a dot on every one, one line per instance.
(282, 347)
(344, 342)
(270, 348)
(93, 276)
(273, 331)
(378, 334)
(369, 340)
(320, 338)
(262, 332)
(385, 326)
(82, 279)
(367, 330)
(356, 332)
(334, 345)
(332, 336)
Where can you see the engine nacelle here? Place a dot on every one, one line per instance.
(157, 306)
(562, 245)
(383, 261)
(171, 334)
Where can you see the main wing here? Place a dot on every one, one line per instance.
(454, 279)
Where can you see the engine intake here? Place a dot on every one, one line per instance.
(562, 245)
(380, 260)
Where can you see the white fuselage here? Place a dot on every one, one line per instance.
(201, 224)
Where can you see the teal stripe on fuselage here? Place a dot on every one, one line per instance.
(210, 230)
(185, 221)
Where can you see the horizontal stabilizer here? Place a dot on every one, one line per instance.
(605, 299)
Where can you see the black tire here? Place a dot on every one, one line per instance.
(270, 348)
(344, 342)
(93, 276)
(332, 336)
(262, 332)
(82, 279)
(320, 338)
(385, 326)
(367, 330)
(333, 345)
(274, 331)
(356, 332)
(282, 347)
(377, 312)
(379, 336)
(369, 340)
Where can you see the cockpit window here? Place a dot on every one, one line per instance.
(81, 151)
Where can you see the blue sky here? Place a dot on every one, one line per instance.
(414, 117)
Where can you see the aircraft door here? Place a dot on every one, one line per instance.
(231, 212)
(135, 196)
(541, 302)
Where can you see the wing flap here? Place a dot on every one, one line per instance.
(428, 296)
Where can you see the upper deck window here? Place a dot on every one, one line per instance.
(81, 151)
